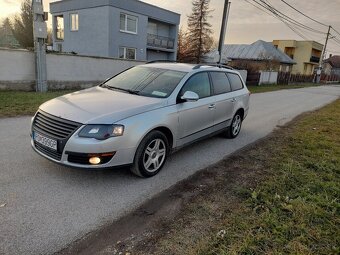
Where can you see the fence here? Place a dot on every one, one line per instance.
(286, 78)
(330, 78)
(17, 70)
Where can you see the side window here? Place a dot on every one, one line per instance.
(235, 81)
(74, 22)
(198, 83)
(220, 82)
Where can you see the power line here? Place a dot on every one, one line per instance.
(272, 9)
(291, 23)
(335, 31)
(275, 16)
(295, 26)
(303, 13)
(336, 41)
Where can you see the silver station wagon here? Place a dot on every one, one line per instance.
(138, 117)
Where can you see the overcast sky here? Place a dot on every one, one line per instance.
(246, 23)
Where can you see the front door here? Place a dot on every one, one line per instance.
(196, 119)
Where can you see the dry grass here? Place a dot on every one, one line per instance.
(280, 196)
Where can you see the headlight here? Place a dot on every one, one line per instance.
(101, 132)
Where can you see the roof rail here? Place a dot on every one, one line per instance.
(212, 64)
(161, 61)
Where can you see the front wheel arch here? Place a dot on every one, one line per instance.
(137, 167)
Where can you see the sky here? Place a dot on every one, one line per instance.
(246, 23)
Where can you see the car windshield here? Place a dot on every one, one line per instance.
(146, 81)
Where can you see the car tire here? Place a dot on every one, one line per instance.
(235, 126)
(151, 155)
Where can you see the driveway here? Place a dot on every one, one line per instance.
(48, 206)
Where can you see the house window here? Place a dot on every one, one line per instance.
(59, 20)
(74, 23)
(128, 23)
(127, 53)
(152, 28)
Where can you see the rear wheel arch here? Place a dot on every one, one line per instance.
(241, 111)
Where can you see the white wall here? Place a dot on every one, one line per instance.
(77, 68)
(17, 69)
(268, 77)
(16, 65)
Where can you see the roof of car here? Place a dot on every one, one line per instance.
(182, 67)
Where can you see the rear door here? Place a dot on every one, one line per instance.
(240, 96)
(224, 101)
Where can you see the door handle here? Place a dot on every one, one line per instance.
(212, 106)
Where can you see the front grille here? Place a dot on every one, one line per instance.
(48, 152)
(53, 126)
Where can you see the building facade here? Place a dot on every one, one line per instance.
(255, 57)
(331, 66)
(306, 54)
(128, 29)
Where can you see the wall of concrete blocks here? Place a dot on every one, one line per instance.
(64, 71)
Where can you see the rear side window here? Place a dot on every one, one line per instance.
(235, 81)
(198, 83)
(220, 82)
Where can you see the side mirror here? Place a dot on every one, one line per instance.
(190, 96)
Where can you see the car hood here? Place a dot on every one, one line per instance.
(100, 106)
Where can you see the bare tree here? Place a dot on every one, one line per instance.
(270, 63)
(199, 30)
(23, 25)
(182, 48)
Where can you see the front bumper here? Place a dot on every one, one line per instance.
(78, 145)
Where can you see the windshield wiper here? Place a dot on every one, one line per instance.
(134, 92)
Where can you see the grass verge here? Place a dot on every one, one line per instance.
(16, 103)
(279, 196)
(269, 88)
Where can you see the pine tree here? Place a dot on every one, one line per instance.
(6, 36)
(200, 32)
(23, 25)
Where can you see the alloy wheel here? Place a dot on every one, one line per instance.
(236, 125)
(154, 155)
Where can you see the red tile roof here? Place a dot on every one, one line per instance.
(334, 61)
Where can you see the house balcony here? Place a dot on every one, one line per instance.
(314, 59)
(160, 42)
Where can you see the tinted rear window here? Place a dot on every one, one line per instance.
(235, 81)
(220, 82)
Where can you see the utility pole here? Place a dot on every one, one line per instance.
(40, 35)
(318, 72)
(223, 28)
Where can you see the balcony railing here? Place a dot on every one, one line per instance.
(160, 42)
(314, 59)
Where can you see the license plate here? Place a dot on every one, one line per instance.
(45, 141)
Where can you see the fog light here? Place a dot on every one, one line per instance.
(94, 160)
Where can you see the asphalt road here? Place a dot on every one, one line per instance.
(48, 206)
